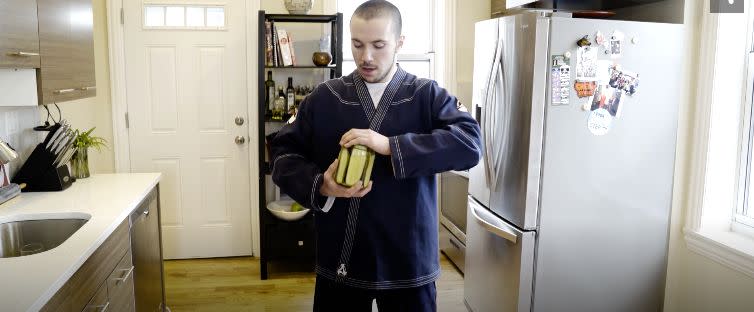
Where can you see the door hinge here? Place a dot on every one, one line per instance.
(127, 123)
(121, 16)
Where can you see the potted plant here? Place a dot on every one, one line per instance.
(82, 142)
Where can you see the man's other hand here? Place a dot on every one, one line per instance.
(332, 188)
(377, 142)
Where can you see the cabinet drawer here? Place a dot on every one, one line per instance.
(291, 241)
(99, 302)
(74, 295)
(120, 285)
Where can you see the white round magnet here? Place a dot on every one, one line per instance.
(599, 121)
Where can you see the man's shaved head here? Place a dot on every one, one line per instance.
(380, 8)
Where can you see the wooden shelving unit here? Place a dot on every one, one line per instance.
(284, 240)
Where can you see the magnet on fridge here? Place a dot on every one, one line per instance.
(617, 35)
(585, 88)
(586, 64)
(567, 56)
(616, 48)
(599, 121)
(599, 38)
(635, 40)
(584, 42)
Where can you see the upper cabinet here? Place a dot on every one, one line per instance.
(66, 45)
(19, 43)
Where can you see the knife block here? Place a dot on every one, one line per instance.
(40, 174)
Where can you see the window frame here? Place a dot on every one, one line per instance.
(185, 5)
(710, 228)
(743, 214)
(430, 56)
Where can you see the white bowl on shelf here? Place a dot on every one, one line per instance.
(282, 210)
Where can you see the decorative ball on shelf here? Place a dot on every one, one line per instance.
(298, 6)
(321, 58)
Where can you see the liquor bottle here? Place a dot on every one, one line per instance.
(281, 92)
(269, 92)
(290, 94)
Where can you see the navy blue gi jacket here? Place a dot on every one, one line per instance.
(387, 239)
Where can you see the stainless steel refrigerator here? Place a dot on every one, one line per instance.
(569, 209)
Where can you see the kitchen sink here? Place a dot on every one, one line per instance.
(28, 237)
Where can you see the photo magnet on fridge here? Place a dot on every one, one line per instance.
(586, 64)
(624, 80)
(585, 88)
(615, 44)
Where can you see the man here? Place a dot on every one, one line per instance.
(377, 241)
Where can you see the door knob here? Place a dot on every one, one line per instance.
(240, 140)
(239, 121)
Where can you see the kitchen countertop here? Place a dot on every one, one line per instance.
(27, 283)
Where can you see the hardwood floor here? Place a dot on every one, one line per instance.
(233, 284)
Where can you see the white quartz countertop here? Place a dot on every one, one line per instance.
(27, 283)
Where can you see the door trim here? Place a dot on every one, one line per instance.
(121, 145)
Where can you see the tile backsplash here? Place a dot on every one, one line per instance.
(16, 125)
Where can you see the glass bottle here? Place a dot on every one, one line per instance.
(290, 94)
(269, 92)
(279, 108)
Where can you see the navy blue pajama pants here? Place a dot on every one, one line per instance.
(330, 296)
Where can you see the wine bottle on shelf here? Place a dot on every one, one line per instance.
(290, 95)
(269, 94)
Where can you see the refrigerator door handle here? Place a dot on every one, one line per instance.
(488, 119)
(506, 233)
(500, 142)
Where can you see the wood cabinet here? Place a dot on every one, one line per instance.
(86, 284)
(120, 285)
(117, 277)
(66, 47)
(19, 42)
(146, 245)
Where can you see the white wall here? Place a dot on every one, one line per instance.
(95, 111)
(694, 282)
(16, 125)
(467, 13)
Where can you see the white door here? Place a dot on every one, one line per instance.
(186, 85)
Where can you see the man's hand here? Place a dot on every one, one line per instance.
(331, 188)
(377, 142)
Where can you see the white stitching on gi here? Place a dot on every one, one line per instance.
(314, 189)
(424, 83)
(339, 96)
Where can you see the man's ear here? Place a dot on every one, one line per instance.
(399, 44)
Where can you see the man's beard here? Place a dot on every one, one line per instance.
(381, 78)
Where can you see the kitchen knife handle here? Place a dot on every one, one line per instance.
(508, 234)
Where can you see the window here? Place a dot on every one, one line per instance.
(721, 189)
(418, 53)
(744, 214)
(158, 16)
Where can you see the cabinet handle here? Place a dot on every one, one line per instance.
(146, 212)
(125, 277)
(23, 54)
(87, 88)
(63, 91)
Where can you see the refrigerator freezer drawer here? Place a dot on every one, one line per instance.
(499, 263)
